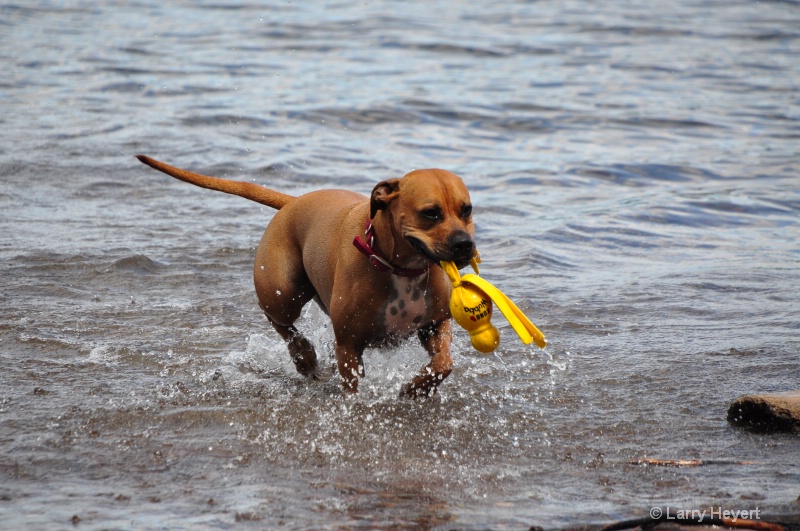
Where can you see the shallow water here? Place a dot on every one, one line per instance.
(635, 177)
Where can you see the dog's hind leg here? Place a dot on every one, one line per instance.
(283, 289)
(300, 349)
(282, 318)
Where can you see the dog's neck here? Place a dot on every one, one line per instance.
(384, 253)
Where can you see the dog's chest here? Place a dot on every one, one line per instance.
(406, 308)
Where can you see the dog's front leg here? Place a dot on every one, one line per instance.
(350, 365)
(436, 339)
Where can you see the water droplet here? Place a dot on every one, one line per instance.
(277, 292)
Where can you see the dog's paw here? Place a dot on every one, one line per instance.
(414, 390)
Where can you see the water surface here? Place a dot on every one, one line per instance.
(635, 178)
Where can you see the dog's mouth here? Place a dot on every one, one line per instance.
(461, 259)
(422, 249)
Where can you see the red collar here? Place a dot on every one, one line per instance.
(367, 248)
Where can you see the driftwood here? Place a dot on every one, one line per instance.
(668, 522)
(690, 462)
(655, 523)
(767, 412)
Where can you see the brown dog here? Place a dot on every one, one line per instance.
(371, 263)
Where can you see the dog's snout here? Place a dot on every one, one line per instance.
(461, 244)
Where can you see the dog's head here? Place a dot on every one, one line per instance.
(431, 211)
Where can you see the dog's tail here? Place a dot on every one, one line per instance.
(251, 191)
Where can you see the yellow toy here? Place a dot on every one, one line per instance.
(471, 307)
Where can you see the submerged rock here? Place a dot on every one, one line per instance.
(768, 412)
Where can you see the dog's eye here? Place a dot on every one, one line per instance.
(466, 211)
(432, 214)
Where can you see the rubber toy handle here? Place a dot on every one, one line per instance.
(471, 288)
(524, 328)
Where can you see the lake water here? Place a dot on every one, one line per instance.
(635, 174)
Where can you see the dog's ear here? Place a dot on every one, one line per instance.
(382, 195)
